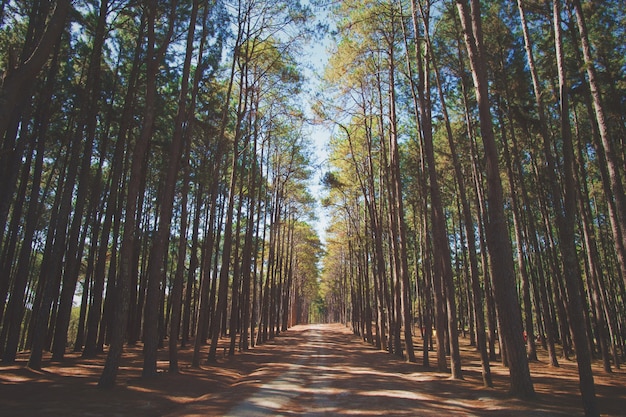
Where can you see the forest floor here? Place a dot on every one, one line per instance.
(309, 370)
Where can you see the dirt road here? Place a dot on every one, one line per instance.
(324, 370)
(314, 370)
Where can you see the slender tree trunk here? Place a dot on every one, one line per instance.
(398, 225)
(236, 280)
(156, 270)
(50, 277)
(250, 256)
(545, 135)
(529, 334)
(594, 272)
(95, 311)
(14, 313)
(123, 287)
(567, 238)
(427, 273)
(610, 155)
(7, 253)
(379, 261)
(259, 245)
(88, 124)
(443, 261)
(498, 239)
(193, 266)
(221, 310)
(15, 308)
(467, 218)
(177, 286)
(205, 279)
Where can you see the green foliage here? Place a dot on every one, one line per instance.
(245, 112)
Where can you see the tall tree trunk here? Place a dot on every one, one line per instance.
(178, 284)
(249, 254)
(481, 210)
(398, 222)
(193, 266)
(156, 270)
(15, 309)
(610, 155)
(498, 239)
(87, 125)
(210, 243)
(220, 311)
(122, 290)
(12, 236)
(236, 307)
(466, 212)
(594, 271)
(529, 334)
(95, 311)
(443, 260)
(50, 277)
(543, 129)
(567, 222)
(379, 261)
(427, 273)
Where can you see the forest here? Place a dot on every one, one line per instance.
(157, 168)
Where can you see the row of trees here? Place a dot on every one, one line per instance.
(154, 169)
(477, 176)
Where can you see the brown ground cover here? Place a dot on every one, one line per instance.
(308, 370)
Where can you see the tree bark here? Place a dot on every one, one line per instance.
(498, 239)
(87, 125)
(156, 271)
(567, 222)
(610, 155)
(139, 159)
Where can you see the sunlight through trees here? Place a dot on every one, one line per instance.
(157, 161)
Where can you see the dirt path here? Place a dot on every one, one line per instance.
(324, 370)
(312, 370)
